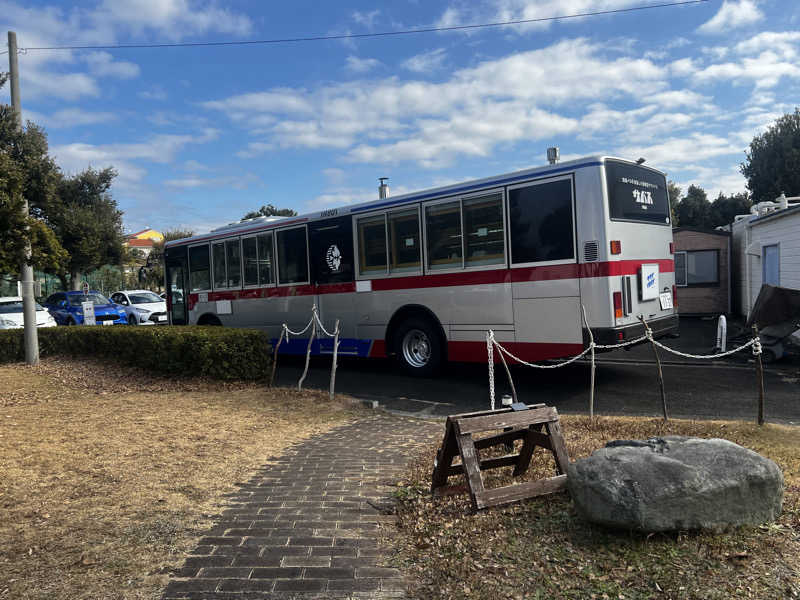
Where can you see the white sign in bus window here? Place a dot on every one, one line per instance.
(88, 313)
(649, 282)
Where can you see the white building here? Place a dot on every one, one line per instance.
(766, 249)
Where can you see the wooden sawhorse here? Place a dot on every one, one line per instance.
(536, 425)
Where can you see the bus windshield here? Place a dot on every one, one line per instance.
(636, 194)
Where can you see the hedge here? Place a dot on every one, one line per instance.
(217, 352)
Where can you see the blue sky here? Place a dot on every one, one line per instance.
(202, 135)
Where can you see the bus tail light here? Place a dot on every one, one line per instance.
(617, 305)
(616, 247)
(675, 296)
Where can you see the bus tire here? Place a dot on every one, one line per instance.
(209, 320)
(418, 347)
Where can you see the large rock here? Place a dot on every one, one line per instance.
(675, 483)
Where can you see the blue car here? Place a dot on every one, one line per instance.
(65, 307)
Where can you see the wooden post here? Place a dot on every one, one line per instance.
(508, 373)
(335, 353)
(660, 373)
(308, 354)
(760, 375)
(275, 359)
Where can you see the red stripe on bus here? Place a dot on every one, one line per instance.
(518, 275)
(378, 349)
(527, 351)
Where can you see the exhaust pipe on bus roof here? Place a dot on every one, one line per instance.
(383, 189)
(553, 155)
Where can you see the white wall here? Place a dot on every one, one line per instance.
(781, 230)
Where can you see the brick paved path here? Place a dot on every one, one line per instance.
(305, 526)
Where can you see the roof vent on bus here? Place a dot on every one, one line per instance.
(591, 251)
(553, 155)
(383, 189)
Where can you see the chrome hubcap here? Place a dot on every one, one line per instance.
(416, 348)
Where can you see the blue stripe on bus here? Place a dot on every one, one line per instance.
(347, 346)
(475, 186)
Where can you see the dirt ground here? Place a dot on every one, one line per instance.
(540, 548)
(108, 476)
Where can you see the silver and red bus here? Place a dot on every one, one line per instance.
(423, 276)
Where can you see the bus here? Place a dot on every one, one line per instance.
(421, 277)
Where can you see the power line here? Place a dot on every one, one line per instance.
(346, 36)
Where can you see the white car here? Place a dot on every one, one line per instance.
(11, 316)
(143, 307)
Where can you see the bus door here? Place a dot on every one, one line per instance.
(176, 275)
(332, 274)
(546, 292)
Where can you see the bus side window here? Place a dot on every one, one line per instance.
(443, 234)
(483, 230)
(372, 244)
(233, 252)
(404, 244)
(199, 268)
(292, 256)
(250, 261)
(266, 274)
(218, 256)
(540, 221)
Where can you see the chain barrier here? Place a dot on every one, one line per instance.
(315, 324)
(492, 343)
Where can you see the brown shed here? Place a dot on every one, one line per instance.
(702, 271)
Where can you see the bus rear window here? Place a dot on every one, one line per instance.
(636, 194)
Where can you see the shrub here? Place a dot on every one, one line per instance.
(217, 352)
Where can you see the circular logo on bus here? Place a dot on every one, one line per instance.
(334, 258)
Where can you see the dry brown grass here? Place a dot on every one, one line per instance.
(541, 549)
(108, 476)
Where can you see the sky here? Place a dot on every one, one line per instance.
(202, 135)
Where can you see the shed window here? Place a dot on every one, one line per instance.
(483, 227)
(218, 256)
(233, 254)
(250, 260)
(404, 246)
(266, 271)
(372, 244)
(697, 267)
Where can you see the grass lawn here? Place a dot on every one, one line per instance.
(108, 475)
(541, 549)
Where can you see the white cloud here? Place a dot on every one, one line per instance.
(102, 64)
(426, 62)
(361, 65)
(764, 71)
(498, 101)
(73, 117)
(155, 93)
(236, 182)
(334, 175)
(367, 19)
(732, 15)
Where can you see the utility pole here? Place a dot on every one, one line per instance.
(28, 301)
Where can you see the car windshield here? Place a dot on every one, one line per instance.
(14, 306)
(144, 298)
(94, 298)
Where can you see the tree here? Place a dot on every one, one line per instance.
(694, 210)
(153, 273)
(270, 211)
(772, 165)
(87, 222)
(674, 192)
(26, 172)
(725, 208)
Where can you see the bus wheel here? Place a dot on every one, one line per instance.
(209, 320)
(418, 347)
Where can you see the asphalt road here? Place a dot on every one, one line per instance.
(626, 384)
